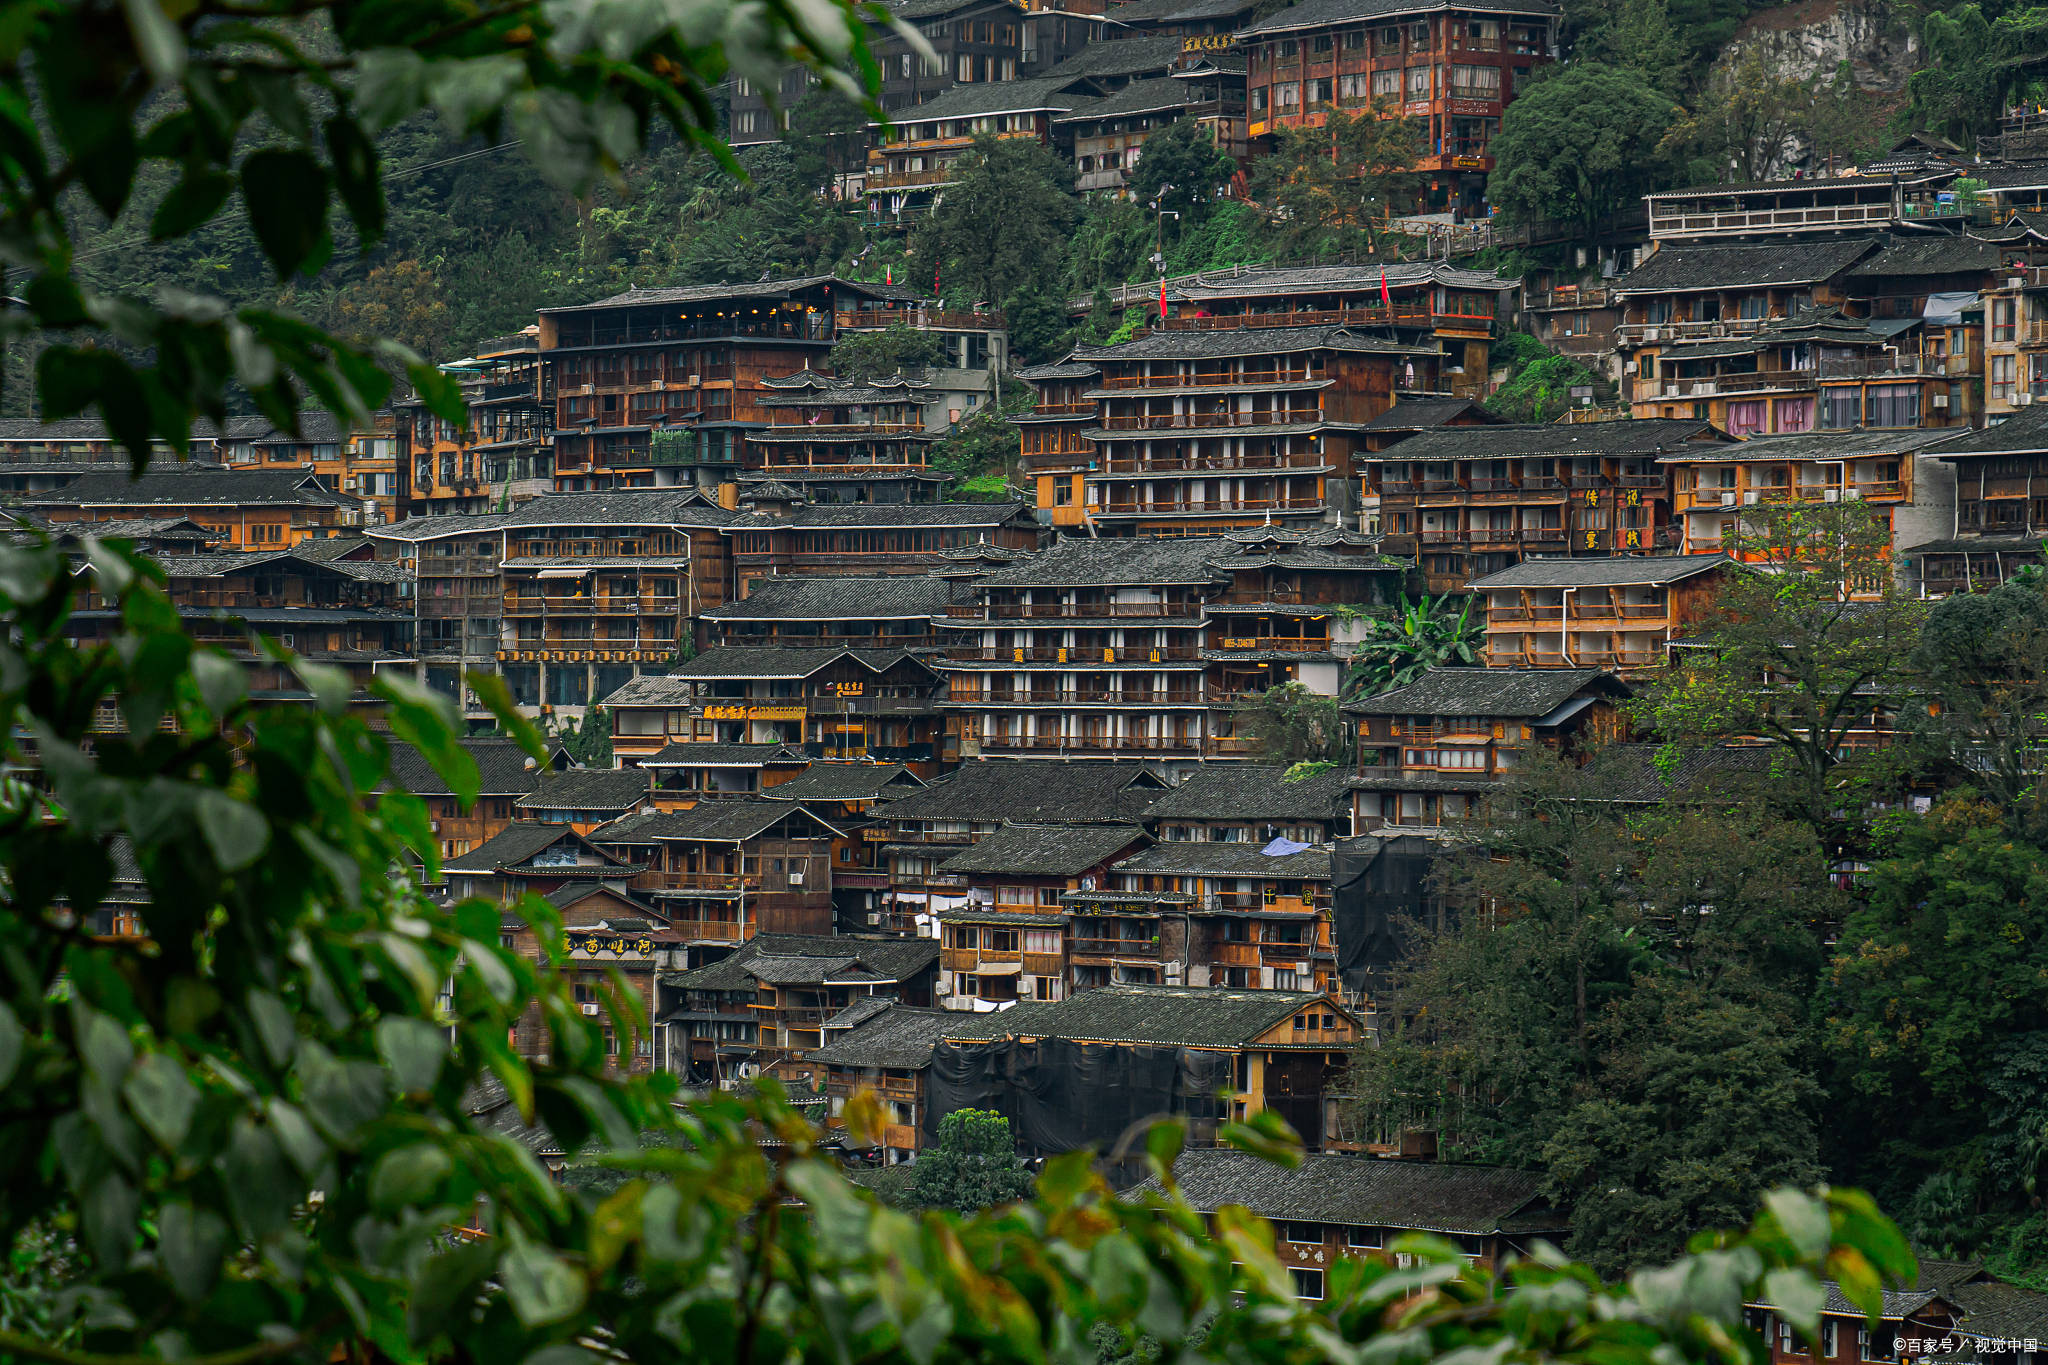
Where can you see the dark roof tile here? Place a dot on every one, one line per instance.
(838, 597)
(901, 1038)
(1250, 791)
(1517, 692)
(587, 789)
(987, 791)
(1360, 1191)
(1167, 1016)
(1045, 850)
(1608, 571)
(1684, 267)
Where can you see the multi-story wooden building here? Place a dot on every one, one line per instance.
(724, 871)
(586, 798)
(458, 596)
(2001, 508)
(1239, 1053)
(1333, 1206)
(1247, 916)
(841, 442)
(1007, 943)
(918, 833)
(1695, 307)
(785, 537)
(1251, 803)
(1454, 68)
(842, 793)
(1441, 307)
(770, 1000)
(1430, 753)
(1469, 501)
(686, 771)
(843, 611)
(658, 387)
(1620, 612)
(1206, 430)
(601, 587)
(503, 455)
(1101, 647)
(505, 772)
(827, 702)
(1909, 490)
(1108, 134)
(885, 1049)
(249, 509)
(1054, 449)
(1859, 205)
(912, 161)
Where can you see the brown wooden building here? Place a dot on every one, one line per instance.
(2001, 507)
(829, 703)
(1621, 612)
(788, 537)
(884, 1048)
(249, 509)
(839, 441)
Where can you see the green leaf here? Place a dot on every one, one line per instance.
(276, 1031)
(1804, 1220)
(190, 1244)
(490, 689)
(13, 1041)
(408, 1176)
(354, 158)
(109, 1206)
(222, 682)
(285, 194)
(235, 831)
(162, 1098)
(446, 1284)
(413, 1049)
(191, 203)
(1265, 1135)
(1797, 1296)
(542, 1286)
(1163, 1143)
(427, 720)
(157, 39)
(261, 1186)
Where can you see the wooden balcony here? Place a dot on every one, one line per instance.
(1071, 611)
(1295, 375)
(1114, 947)
(1361, 315)
(1076, 657)
(1282, 643)
(1083, 743)
(1209, 506)
(1182, 421)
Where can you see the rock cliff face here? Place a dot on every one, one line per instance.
(1817, 36)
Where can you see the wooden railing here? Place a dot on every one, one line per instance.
(1194, 381)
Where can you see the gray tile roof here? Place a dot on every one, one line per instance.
(1637, 436)
(1211, 859)
(824, 781)
(1357, 1191)
(1063, 369)
(901, 1038)
(859, 1011)
(1322, 13)
(502, 766)
(650, 689)
(1936, 254)
(1610, 571)
(873, 516)
(722, 756)
(726, 821)
(1045, 850)
(708, 293)
(1518, 692)
(2013, 175)
(986, 791)
(1257, 281)
(787, 661)
(1994, 1309)
(894, 959)
(511, 846)
(1419, 414)
(1083, 561)
(1855, 444)
(1245, 341)
(976, 99)
(176, 485)
(1154, 95)
(586, 789)
(1116, 57)
(1166, 1016)
(628, 507)
(415, 529)
(838, 597)
(2023, 433)
(1249, 791)
(1683, 267)
(1639, 774)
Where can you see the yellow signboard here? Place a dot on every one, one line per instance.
(754, 713)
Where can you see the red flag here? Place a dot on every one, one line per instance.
(888, 274)
(935, 281)
(1162, 298)
(1386, 297)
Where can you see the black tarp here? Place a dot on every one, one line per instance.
(1380, 888)
(1060, 1094)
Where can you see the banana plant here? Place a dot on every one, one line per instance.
(1423, 635)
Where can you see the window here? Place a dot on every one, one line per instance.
(1365, 1239)
(1785, 1343)
(2005, 370)
(1746, 419)
(1304, 1234)
(1475, 82)
(1319, 91)
(1840, 408)
(2002, 319)
(1881, 1345)
(1308, 1284)
(1041, 940)
(1386, 85)
(1830, 1337)
(1418, 82)
(1795, 414)
(1893, 405)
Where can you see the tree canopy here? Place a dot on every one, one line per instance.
(1579, 145)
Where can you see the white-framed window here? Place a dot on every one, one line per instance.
(1308, 1284)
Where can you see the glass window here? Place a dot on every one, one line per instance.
(1747, 418)
(1795, 414)
(1840, 408)
(1308, 1284)
(1893, 405)
(1418, 82)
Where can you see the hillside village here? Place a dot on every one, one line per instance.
(1148, 766)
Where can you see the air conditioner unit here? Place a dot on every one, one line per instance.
(1852, 494)
(695, 380)
(1749, 498)
(796, 879)
(1940, 400)
(287, 639)
(433, 826)
(1831, 495)
(1728, 499)
(590, 1008)
(2023, 400)
(1652, 334)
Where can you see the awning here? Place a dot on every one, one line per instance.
(999, 969)
(1565, 712)
(1946, 310)
(562, 573)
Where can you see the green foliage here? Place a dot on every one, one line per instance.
(1539, 386)
(1183, 171)
(1976, 62)
(1423, 635)
(1981, 668)
(980, 445)
(1579, 145)
(828, 135)
(588, 741)
(1329, 189)
(1004, 221)
(1294, 725)
(982, 488)
(1614, 1020)
(972, 1166)
(897, 349)
(1039, 330)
